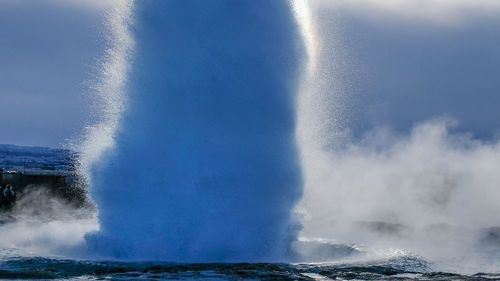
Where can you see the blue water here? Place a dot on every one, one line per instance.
(204, 165)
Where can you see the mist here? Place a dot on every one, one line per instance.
(398, 129)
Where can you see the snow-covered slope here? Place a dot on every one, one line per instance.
(19, 158)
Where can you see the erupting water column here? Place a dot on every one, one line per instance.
(203, 163)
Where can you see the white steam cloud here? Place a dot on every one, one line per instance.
(433, 192)
(41, 224)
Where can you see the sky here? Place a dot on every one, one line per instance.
(49, 51)
(405, 62)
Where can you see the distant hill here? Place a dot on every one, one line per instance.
(19, 158)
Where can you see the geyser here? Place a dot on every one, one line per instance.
(201, 161)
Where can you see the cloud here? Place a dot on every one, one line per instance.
(91, 4)
(88, 4)
(448, 12)
(48, 50)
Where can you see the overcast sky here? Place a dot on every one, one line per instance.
(48, 50)
(407, 62)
